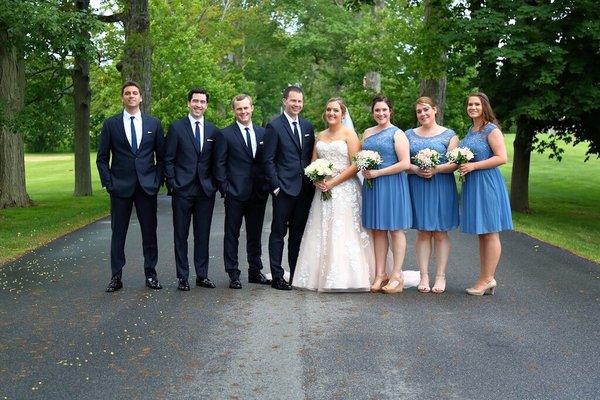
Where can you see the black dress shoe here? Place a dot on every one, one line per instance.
(183, 285)
(258, 278)
(205, 282)
(153, 284)
(114, 285)
(235, 284)
(280, 284)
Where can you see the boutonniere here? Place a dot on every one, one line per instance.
(261, 142)
(209, 140)
(149, 133)
(306, 135)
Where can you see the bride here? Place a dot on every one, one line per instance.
(336, 252)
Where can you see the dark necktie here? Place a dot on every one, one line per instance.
(197, 135)
(248, 141)
(297, 133)
(134, 146)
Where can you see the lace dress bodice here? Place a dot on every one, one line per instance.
(383, 143)
(439, 143)
(336, 152)
(477, 141)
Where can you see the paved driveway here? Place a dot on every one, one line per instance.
(62, 337)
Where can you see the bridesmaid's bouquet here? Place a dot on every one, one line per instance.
(317, 171)
(426, 158)
(460, 155)
(367, 159)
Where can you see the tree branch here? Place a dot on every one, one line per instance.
(54, 101)
(110, 18)
(41, 71)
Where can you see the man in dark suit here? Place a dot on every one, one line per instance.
(192, 177)
(135, 142)
(245, 191)
(289, 141)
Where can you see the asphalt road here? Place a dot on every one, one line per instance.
(63, 337)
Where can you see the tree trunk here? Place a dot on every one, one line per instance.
(433, 77)
(436, 90)
(519, 186)
(13, 192)
(81, 100)
(137, 57)
(372, 81)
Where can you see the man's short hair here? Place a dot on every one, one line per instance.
(291, 88)
(130, 83)
(240, 97)
(197, 90)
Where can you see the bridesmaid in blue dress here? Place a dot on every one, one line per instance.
(433, 194)
(386, 206)
(485, 209)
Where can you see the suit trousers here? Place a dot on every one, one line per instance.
(120, 214)
(186, 210)
(253, 212)
(288, 211)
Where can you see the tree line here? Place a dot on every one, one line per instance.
(62, 63)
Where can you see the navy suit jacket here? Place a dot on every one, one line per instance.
(244, 174)
(121, 174)
(187, 169)
(284, 160)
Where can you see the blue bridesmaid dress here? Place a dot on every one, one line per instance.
(484, 207)
(434, 200)
(386, 205)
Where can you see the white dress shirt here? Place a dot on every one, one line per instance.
(137, 123)
(291, 122)
(252, 136)
(201, 126)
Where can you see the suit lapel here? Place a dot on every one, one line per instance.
(190, 133)
(241, 140)
(305, 139)
(259, 138)
(288, 129)
(143, 132)
(207, 134)
(121, 128)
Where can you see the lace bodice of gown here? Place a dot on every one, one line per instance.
(383, 143)
(477, 141)
(336, 152)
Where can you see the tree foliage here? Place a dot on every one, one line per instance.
(38, 40)
(538, 62)
(535, 58)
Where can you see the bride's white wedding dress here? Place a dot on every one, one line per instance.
(336, 253)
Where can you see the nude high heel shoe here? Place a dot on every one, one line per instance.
(424, 288)
(490, 288)
(440, 284)
(380, 281)
(395, 285)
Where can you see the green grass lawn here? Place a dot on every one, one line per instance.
(562, 196)
(50, 183)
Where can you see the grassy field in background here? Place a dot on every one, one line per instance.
(563, 198)
(50, 183)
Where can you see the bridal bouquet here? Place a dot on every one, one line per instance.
(460, 155)
(367, 159)
(317, 171)
(426, 158)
